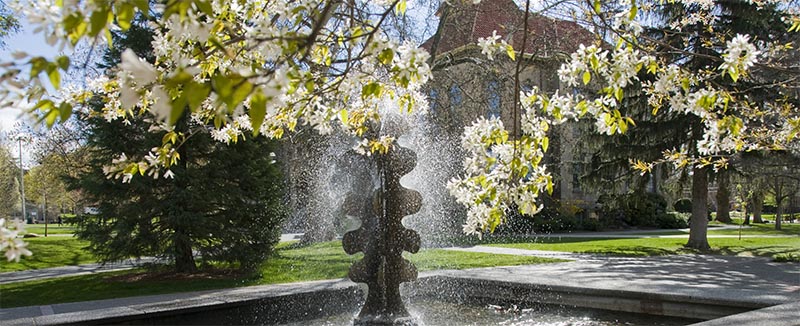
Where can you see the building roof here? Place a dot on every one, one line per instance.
(466, 23)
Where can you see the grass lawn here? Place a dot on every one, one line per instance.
(50, 252)
(289, 264)
(787, 229)
(762, 229)
(51, 229)
(767, 247)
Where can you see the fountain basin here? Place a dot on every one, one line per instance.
(301, 302)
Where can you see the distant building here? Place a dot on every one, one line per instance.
(467, 85)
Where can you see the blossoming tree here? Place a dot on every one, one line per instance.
(503, 170)
(267, 66)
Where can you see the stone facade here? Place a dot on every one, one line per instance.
(467, 85)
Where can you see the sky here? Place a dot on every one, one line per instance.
(33, 44)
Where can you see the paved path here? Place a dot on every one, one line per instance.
(44, 273)
(655, 233)
(712, 276)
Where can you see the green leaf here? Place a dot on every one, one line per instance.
(44, 105)
(401, 7)
(734, 73)
(204, 6)
(63, 62)
(99, 20)
(795, 25)
(143, 6)
(587, 77)
(109, 38)
(178, 106)
(51, 116)
(65, 110)
(510, 52)
(170, 137)
(371, 89)
(258, 110)
(386, 56)
(55, 76)
(618, 94)
(343, 116)
(125, 13)
(594, 61)
(195, 94)
(232, 89)
(652, 67)
(685, 84)
(597, 6)
(240, 93)
(623, 126)
(633, 12)
(38, 64)
(495, 218)
(545, 143)
(222, 84)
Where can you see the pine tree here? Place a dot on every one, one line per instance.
(224, 202)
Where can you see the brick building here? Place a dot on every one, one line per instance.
(467, 85)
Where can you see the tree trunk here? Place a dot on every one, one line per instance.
(44, 214)
(747, 209)
(184, 260)
(181, 240)
(758, 206)
(778, 212)
(698, 226)
(723, 198)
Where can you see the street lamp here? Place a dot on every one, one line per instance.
(20, 136)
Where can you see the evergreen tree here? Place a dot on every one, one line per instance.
(224, 201)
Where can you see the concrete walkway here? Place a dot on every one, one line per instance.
(45, 273)
(752, 279)
(656, 233)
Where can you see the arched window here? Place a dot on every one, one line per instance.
(495, 100)
(456, 98)
(433, 101)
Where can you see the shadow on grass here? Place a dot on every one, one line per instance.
(107, 286)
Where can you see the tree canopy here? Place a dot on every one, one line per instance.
(255, 67)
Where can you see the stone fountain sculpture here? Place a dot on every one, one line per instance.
(383, 238)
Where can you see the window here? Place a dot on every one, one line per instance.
(495, 99)
(456, 98)
(433, 101)
(577, 170)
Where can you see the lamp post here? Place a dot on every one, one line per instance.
(20, 136)
(22, 179)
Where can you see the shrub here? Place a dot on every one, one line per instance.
(683, 205)
(787, 257)
(590, 224)
(672, 220)
(552, 218)
(629, 210)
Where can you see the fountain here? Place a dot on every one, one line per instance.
(383, 238)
